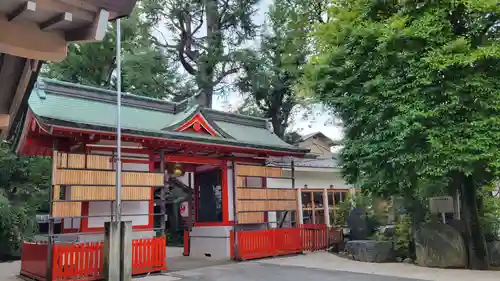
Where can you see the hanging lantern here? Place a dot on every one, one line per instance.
(178, 171)
(175, 170)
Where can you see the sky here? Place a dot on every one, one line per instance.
(319, 122)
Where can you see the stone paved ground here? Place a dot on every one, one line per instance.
(256, 271)
(323, 260)
(311, 267)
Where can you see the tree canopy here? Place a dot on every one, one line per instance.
(416, 85)
(146, 70)
(24, 186)
(207, 37)
(272, 71)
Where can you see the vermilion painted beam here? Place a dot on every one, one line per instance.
(162, 143)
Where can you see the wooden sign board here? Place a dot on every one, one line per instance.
(441, 205)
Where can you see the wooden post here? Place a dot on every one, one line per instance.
(163, 209)
(50, 239)
(325, 207)
(235, 214)
(313, 208)
(300, 214)
(190, 213)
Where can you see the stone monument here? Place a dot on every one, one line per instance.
(358, 224)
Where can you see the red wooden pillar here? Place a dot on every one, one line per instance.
(186, 244)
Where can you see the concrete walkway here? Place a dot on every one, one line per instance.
(177, 262)
(319, 266)
(9, 270)
(323, 260)
(257, 271)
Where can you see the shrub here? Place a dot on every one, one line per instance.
(402, 236)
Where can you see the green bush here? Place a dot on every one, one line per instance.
(341, 213)
(24, 185)
(17, 223)
(402, 236)
(363, 201)
(490, 215)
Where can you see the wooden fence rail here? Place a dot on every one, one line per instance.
(84, 261)
(283, 241)
(314, 237)
(148, 255)
(268, 243)
(78, 261)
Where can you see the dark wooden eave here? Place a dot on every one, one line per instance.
(34, 31)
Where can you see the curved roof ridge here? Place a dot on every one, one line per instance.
(104, 90)
(237, 114)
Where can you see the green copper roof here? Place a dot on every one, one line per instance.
(56, 102)
(95, 112)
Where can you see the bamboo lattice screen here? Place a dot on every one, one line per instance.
(252, 203)
(92, 177)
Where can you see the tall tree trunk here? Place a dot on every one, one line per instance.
(476, 243)
(213, 54)
(415, 210)
(205, 97)
(278, 128)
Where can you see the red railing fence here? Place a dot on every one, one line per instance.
(186, 244)
(314, 237)
(254, 244)
(268, 243)
(149, 255)
(84, 261)
(34, 260)
(78, 261)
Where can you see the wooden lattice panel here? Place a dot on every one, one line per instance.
(67, 209)
(88, 177)
(84, 177)
(281, 194)
(98, 162)
(265, 205)
(251, 205)
(281, 205)
(56, 192)
(89, 193)
(248, 218)
(251, 193)
(258, 171)
(239, 181)
(274, 172)
(82, 161)
(265, 199)
(141, 179)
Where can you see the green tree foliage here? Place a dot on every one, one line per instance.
(490, 212)
(271, 73)
(416, 85)
(206, 36)
(402, 237)
(146, 70)
(24, 186)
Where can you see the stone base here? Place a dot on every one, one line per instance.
(371, 251)
(440, 245)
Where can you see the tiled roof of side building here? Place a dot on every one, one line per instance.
(307, 163)
(56, 102)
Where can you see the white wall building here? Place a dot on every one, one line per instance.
(318, 178)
